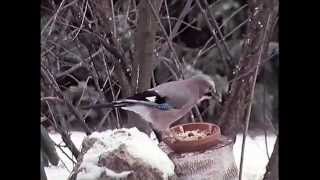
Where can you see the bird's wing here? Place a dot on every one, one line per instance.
(147, 98)
(176, 93)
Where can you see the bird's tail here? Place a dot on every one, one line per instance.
(120, 103)
(114, 104)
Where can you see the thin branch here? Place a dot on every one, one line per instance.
(83, 90)
(106, 115)
(50, 98)
(186, 9)
(65, 136)
(176, 57)
(216, 26)
(265, 120)
(251, 99)
(188, 25)
(272, 169)
(51, 80)
(65, 153)
(168, 17)
(226, 36)
(234, 13)
(114, 21)
(82, 20)
(52, 19)
(251, 70)
(70, 70)
(112, 91)
(226, 60)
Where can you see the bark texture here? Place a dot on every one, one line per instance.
(232, 114)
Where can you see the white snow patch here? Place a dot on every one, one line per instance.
(138, 144)
(89, 171)
(60, 172)
(255, 156)
(122, 174)
(56, 173)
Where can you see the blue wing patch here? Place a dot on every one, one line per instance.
(164, 106)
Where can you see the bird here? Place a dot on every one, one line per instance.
(166, 103)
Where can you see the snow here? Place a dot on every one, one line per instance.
(89, 171)
(123, 174)
(255, 158)
(134, 140)
(65, 166)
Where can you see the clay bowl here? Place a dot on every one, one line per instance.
(193, 137)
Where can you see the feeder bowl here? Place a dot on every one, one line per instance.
(193, 137)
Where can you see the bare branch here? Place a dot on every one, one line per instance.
(251, 97)
(50, 79)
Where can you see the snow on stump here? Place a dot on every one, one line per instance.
(122, 154)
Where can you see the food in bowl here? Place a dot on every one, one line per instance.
(192, 135)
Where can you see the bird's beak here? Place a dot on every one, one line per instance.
(214, 95)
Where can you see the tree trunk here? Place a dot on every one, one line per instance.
(144, 46)
(232, 113)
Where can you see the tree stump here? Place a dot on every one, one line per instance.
(216, 163)
(122, 154)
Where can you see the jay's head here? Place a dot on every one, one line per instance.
(207, 89)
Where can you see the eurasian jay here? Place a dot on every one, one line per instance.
(168, 102)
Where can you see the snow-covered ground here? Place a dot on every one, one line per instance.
(255, 158)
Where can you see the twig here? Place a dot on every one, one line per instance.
(168, 17)
(186, 9)
(51, 80)
(107, 79)
(53, 122)
(176, 57)
(82, 20)
(112, 91)
(251, 70)
(114, 21)
(251, 99)
(53, 19)
(66, 49)
(201, 50)
(173, 72)
(225, 58)
(104, 118)
(51, 99)
(83, 90)
(226, 36)
(198, 113)
(188, 25)
(70, 70)
(65, 137)
(225, 22)
(264, 120)
(272, 169)
(216, 26)
(65, 153)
